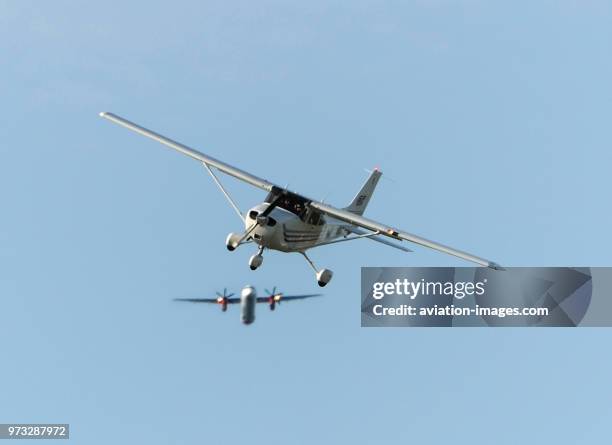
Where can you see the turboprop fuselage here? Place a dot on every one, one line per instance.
(248, 301)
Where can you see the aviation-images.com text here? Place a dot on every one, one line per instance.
(457, 289)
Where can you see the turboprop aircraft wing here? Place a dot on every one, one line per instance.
(209, 300)
(283, 298)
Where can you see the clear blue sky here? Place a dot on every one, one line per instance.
(493, 119)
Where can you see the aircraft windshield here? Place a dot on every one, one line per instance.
(297, 205)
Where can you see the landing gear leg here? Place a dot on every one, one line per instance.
(256, 260)
(324, 276)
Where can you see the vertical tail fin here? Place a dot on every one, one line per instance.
(361, 200)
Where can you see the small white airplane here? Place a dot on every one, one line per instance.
(248, 300)
(290, 222)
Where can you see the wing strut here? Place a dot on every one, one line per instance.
(374, 236)
(351, 238)
(225, 193)
(397, 234)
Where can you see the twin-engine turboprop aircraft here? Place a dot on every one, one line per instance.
(289, 222)
(248, 300)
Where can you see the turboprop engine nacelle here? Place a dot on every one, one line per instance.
(232, 240)
(273, 300)
(222, 301)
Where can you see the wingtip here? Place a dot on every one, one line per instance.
(496, 266)
(102, 113)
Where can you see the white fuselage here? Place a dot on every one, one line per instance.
(286, 232)
(248, 301)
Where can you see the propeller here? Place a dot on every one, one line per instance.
(262, 218)
(222, 299)
(273, 298)
(273, 293)
(225, 294)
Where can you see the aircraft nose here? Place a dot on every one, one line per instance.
(265, 229)
(248, 291)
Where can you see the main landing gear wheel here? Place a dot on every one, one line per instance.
(324, 276)
(232, 241)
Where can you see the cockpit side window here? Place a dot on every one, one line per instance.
(315, 218)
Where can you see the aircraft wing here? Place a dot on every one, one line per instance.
(284, 298)
(342, 215)
(208, 300)
(208, 160)
(398, 234)
(377, 238)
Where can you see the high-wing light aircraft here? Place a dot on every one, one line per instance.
(248, 300)
(290, 222)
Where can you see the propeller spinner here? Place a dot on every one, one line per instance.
(222, 299)
(273, 298)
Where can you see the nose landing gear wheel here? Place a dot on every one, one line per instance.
(256, 260)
